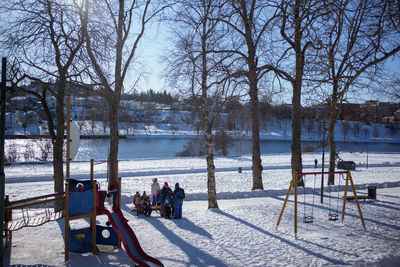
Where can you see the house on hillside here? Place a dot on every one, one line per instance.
(149, 105)
(10, 120)
(23, 102)
(395, 119)
(396, 116)
(130, 105)
(83, 102)
(374, 111)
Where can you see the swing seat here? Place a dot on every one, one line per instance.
(333, 216)
(308, 219)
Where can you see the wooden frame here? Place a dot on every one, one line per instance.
(293, 183)
(25, 203)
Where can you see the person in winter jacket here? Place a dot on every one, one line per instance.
(158, 198)
(147, 206)
(168, 206)
(155, 187)
(164, 193)
(137, 201)
(178, 197)
(142, 197)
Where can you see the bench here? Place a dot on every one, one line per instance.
(141, 210)
(359, 197)
(371, 194)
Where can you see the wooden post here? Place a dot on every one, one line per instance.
(2, 140)
(68, 136)
(66, 220)
(91, 169)
(345, 195)
(356, 198)
(284, 203)
(295, 204)
(93, 217)
(8, 218)
(66, 190)
(119, 198)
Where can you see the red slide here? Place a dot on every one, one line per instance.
(129, 239)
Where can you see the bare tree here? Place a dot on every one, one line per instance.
(198, 71)
(249, 21)
(44, 40)
(357, 36)
(297, 23)
(112, 32)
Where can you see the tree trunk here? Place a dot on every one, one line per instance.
(113, 154)
(255, 123)
(212, 192)
(296, 160)
(58, 144)
(332, 146)
(255, 138)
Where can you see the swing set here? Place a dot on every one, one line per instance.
(333, 216)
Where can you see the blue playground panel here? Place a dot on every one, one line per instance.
(80, 202)
(80, 240)
(110, 237)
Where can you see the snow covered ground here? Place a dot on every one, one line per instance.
(242, 232)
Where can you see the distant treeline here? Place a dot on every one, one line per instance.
(151, 96)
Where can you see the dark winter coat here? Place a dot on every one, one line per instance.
(164, 193)
(179, 194)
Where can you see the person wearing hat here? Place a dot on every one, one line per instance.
(178, 197)
(155, 188)
(164, 193)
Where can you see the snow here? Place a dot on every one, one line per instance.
(242, 232)
(275, 129)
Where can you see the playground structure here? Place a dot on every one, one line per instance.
(82, 199)
(26, 219)
(332, 216)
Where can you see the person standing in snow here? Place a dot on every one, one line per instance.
(142, 198)
(155, 188)
(158, 198)
(147, 206)
(315, 163)
(168, 206)
(164, 193)
(178, 197)
(136, 200)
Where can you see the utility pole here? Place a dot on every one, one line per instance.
(2, 136)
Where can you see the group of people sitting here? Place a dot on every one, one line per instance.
(170, 202)
(142, 202)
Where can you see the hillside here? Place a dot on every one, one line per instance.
(270, 130)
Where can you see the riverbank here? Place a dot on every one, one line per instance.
(275, 130)
(242, 232)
